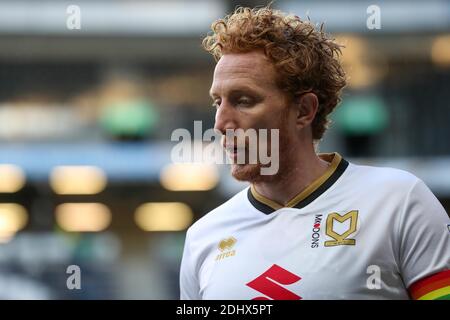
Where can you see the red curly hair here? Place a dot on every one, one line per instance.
(305, 57)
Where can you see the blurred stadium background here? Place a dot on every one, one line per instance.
(86, 117)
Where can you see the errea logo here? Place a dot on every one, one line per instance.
(226, 246)
(227, 243)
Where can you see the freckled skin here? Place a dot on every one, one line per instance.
(246, 96)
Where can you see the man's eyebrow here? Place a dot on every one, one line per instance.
(237, 90)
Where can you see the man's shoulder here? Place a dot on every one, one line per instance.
(219, 215)
(387, 176)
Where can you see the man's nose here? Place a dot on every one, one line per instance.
(225, 118)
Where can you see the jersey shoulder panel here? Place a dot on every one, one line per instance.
(392, 176)
(229, 210)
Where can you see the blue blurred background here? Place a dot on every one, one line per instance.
(87, 108)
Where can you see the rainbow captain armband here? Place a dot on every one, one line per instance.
(434, 287)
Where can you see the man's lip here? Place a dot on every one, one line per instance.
(233, 148)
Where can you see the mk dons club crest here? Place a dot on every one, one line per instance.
(340, 228)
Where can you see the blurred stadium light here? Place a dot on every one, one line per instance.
(13, 217)
(12, 178)
(440, 50)
(83, 217)
(77, 180)
(164, 216)
(189, 176)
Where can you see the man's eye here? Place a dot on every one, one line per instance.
(215, 104)
(244, 102)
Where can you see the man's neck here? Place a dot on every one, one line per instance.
(306, 168)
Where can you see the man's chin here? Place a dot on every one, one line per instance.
(246, 172)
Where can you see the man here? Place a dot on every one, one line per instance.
(321, 227)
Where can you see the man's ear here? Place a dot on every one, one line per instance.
(306, 106)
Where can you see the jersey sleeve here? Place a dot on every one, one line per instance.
(189, 285)
(425, 244)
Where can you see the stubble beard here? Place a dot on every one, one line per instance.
(252, 172)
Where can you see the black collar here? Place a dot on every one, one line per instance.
(312, 192)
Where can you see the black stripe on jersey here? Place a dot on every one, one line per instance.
(343, 164)
(259, 205)
(325, 186)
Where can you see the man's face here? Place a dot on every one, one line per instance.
(246, 97)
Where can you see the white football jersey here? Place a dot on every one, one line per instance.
(357, 232)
